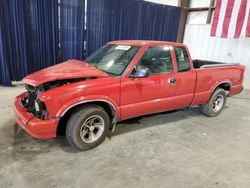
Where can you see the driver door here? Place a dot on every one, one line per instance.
(152, 94)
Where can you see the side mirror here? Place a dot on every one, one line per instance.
(140, 72)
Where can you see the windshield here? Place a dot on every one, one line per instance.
(113, 58)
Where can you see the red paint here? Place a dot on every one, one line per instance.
(216, 17)
(130, 97)
(41, 129)
(227, 18)
(67, 70)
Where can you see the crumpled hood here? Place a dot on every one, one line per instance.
(70, 69)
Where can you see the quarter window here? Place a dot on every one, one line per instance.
(157, 59)
(182, 60)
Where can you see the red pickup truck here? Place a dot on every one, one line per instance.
(121, 80)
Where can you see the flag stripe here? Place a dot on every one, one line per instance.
(227, 18)
(234, 18)
(248, 25)
(216, 17)
(243, 30)
(240, 18)
(231, 19)
(221, 17)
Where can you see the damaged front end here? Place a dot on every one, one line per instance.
(37, 107)
(33, 104)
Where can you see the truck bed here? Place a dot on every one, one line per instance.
(211, 73)
(199, 64)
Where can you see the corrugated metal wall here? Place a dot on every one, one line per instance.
(202, 46)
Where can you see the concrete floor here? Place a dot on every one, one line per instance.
(177, 149)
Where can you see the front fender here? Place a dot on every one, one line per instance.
(87, 99)
(58, 100)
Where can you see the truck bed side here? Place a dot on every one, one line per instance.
(199, 64)
(210, 78)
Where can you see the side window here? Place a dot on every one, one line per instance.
(182, 60)
(157, 59)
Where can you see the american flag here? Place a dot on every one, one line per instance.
(231, 19)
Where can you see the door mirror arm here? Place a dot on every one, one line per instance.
(140, 72)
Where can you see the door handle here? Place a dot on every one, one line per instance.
(172, 81)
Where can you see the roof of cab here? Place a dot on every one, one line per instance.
(145, 43)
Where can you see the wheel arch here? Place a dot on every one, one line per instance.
(226, 85)
(106, 105)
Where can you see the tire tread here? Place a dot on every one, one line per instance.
(78, 115)
(206, 108)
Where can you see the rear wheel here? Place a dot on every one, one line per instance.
(216, 103)
(87, 127)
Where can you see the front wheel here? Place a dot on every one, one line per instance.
(216, 103)
(87, 127)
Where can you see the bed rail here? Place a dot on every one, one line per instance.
(219, 65)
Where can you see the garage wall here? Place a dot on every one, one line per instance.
(198, 17)
(165, 2)
(202, 46)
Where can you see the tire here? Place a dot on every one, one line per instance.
(215, 104)
(83, 132)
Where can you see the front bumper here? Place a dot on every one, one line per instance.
(37, 128)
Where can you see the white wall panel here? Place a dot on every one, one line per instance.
(199, 17)
(199, 3)
(203, 46)
(165, 2)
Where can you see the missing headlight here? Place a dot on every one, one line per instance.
(33, 104)
(40, 109)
